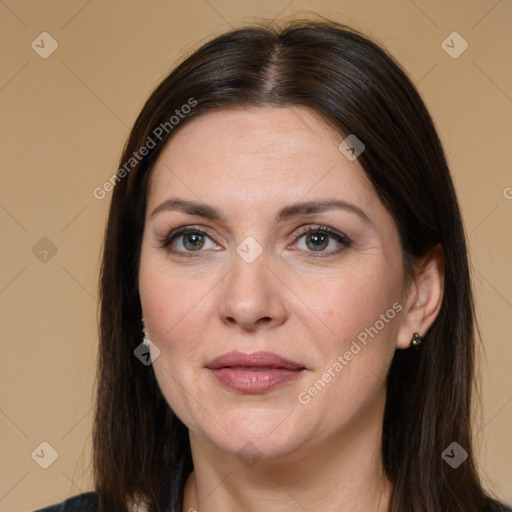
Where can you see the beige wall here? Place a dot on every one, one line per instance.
(64, 121)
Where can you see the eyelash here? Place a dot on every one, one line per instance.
(339, 237)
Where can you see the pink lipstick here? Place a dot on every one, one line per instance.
(253, 373)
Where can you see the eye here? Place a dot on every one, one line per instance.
(321, 239)
(189, 240)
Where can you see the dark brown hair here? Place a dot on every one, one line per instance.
(141, 449)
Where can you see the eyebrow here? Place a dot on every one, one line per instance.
(287, 212)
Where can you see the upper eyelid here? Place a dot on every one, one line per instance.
(182, 231)
(320, 227)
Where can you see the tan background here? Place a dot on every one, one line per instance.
(64, 122)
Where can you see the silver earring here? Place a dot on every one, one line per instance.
(145, 335)
(417, 340)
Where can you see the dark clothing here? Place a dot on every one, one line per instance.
(86, 502)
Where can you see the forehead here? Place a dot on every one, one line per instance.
(248, 155)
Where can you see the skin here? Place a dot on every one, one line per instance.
(249, 163)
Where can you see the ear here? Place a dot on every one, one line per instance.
(423, 297)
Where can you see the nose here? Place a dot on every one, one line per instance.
(252, 296)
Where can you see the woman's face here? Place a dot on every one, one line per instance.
(287, 251)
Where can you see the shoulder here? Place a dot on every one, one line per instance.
(85, 502)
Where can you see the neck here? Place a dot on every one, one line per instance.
(340, 474)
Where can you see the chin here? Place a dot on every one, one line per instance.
(255, 433)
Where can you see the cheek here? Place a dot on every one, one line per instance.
(173, 303)
(358, 297)
(177, 308)
(362, 315)
(173, 315)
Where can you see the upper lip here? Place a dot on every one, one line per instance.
(254, 360)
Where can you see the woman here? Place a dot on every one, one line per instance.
(286, 311)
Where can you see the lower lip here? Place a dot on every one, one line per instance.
(254, 381)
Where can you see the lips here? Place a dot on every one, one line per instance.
(255, 360)
(253, 373)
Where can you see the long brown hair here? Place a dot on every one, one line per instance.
(141, 449)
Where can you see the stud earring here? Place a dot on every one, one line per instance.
(417, 340)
